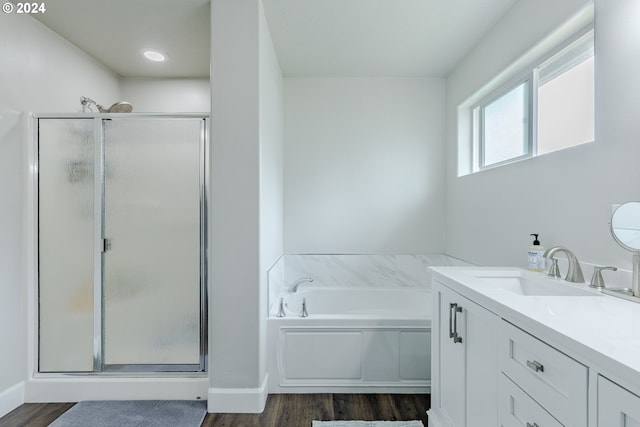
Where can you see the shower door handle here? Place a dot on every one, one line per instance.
(106, 245)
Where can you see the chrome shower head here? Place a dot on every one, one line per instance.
(118, 107)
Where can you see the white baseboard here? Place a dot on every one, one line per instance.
(435, 419)
(76, 389)
(349, 389)
(11, 398)
(238, 400)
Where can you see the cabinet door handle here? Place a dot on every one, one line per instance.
(532, 425)
(456, 338)
(452, 306)
(535, 366)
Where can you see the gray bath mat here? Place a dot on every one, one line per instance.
(134, 413)
(367, 424)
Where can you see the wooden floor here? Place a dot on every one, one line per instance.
(282, 410)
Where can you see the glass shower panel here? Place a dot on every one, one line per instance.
(151, 284)
(65, 244)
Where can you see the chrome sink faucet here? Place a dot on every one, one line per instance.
(293, 287)
(574, 274)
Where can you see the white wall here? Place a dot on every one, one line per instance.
(617, 125)
(156, 95)
(565, 196)
(43, 72)
(245, 219)
(271, 172)
(40, 72)
(363, 170)
(234, 217)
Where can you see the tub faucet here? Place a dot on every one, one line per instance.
(294, 286)
(574, 274)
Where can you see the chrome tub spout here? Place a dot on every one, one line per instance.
(294, 286)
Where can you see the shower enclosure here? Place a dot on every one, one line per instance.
(121, 240)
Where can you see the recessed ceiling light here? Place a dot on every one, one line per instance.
(154, 54)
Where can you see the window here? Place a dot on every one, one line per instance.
(566, 97)
(548, 108)
(505, 126)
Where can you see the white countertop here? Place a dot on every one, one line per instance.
(599, 330)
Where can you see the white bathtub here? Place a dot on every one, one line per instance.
(388, 303)
(353, 340)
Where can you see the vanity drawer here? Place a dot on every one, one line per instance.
(517, 409)
(553, 379)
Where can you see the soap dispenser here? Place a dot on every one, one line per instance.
(536, 255)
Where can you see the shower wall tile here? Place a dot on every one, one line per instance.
(316, 266)
(275, 280)
(412, 270)
(364, 271)
(455, 262)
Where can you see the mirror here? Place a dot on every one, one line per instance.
(625, 226)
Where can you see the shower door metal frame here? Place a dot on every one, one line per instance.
(99, 241)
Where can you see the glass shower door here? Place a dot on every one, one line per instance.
(152, 258)
(65, 244)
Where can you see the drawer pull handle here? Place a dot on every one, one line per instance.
(536, 367)
(532, 425)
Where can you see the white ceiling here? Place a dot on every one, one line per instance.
(377, 37)
(114, 31)
(311, 37)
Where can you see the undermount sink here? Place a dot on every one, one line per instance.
(516, 282)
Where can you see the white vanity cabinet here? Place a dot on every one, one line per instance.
(617, 406)
(554, 382)
(535, 357)
(517, 409)
(465, 361)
